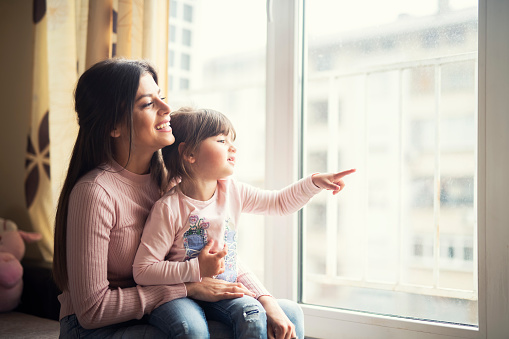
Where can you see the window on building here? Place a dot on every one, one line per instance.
(171, 58)
(173, 9)
(173, 33)
(186, 37)
(188, 13)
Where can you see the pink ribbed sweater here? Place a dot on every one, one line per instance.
(107, 211)
(108, 208)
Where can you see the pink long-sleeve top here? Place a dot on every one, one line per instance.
(108, 208)
(178, 227)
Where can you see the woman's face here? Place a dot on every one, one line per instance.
(151, 119)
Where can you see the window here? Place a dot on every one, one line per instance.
(223, 68)
(171, 59)
(186, 37)
(324, 322)
(188, 13)
(372, 66)
(173, 9)
(173, 33)
(464, 198)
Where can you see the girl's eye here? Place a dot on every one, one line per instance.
(221, 140)
(163, 98)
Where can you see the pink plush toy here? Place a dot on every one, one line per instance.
(12, 249)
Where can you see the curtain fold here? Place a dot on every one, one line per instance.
(155, 38)
(99, 31)
(38, 165)
(70, 36)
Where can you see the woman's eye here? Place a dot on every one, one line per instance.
(151, 103)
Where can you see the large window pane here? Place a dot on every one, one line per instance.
(221, 66)
(391, 90)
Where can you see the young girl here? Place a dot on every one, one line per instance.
(192, 230)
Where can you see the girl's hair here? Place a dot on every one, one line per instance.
(104, 97)
(191, 127)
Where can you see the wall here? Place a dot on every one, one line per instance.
(16, 64)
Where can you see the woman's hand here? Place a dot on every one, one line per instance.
(278, 324)
(210, 289)
(211, 263)
(331, 181)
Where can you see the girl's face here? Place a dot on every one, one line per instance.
(151, 120)
(215, 158)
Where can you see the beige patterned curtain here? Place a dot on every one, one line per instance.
(70, 36)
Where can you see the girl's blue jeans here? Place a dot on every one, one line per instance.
(187, 318)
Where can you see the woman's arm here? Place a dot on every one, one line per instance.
(90, 218)
(250, 281)
(210, 289)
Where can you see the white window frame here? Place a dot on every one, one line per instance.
(281, 250)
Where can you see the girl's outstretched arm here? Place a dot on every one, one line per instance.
(289, 199)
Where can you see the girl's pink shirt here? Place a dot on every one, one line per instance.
(163, 255)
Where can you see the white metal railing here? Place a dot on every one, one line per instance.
(440, 61)
(331, 276)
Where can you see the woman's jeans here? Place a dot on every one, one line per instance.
(187, 318)
(70, 328)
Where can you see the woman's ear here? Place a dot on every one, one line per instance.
(115, 133)
(189, 157)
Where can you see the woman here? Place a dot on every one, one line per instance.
(115, 175)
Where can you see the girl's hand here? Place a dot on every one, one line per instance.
(213, 290)
(278, 324)
(331, 181)
(211, 263)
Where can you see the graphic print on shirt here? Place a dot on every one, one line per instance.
(196, 237)
(230, 260)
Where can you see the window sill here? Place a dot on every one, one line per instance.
(323, 322)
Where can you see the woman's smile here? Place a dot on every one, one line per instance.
(164, 126)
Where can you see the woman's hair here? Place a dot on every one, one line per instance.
(191, 127)
(104, 97)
